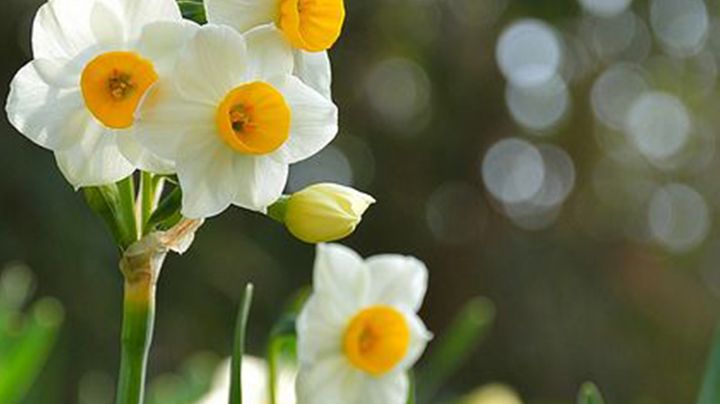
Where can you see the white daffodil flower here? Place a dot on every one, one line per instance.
(93, 62)
(359, 334)
(310, 26)
(232, 118)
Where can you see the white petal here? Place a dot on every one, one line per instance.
(96, 160)
(206, 170)
(141, 157)
(106, 26)
(242, 14)
(341, 274)
(61, 29)
(320, 327)
(314, 69)
(259, 181)
(58, 73)
(397, 280)
(269, 53)
(419, 338)
(162, 42)
(330, 381)
(165, 119)
(388, 389)
(213, 63)
(50, 117)
(138, 13)
(314, 120)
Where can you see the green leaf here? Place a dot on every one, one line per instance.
(411, 388)
(454, 347)
(282, 346)
(590, 394)
(115, 205)
(22, 361)
(103, 201)
(239, 346)
(193, 10)
(167, 213)
(710, 390)
(281, 350)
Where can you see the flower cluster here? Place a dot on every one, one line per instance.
(223, 109)
(120, 85)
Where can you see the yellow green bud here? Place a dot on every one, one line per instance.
(324, 212)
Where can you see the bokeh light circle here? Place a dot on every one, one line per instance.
(615, 91)
(678, 217)
(681, 25)
(659, 124)
(529, 53)
(513, 170)
(605, 8)
(541, 107)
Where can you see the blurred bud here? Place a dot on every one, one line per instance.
(494, 393)
(322, 212)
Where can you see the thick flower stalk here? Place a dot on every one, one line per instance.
(141, 264)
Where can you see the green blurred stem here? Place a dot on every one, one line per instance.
(273, 351)
(137, 330)
(453, 348)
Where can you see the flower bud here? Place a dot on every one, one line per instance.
(324, 212)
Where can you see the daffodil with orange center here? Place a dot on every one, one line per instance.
(310, 27)
(358, 333)
(94, 61)
(232, 118)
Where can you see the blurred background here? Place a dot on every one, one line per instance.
(559, 157)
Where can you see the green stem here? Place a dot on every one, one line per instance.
(272, 368)
(147, 199)
(137, 330)
(126, 199)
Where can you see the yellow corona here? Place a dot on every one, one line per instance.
(113, 84)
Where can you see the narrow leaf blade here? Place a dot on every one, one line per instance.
(710, 390)
(167, 213)
(454, 347)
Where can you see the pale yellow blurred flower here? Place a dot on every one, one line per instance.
(254, 383)
(494, 393)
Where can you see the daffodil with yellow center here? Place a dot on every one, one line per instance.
(358, 333)
(232, 118)
(310, 27)
(94, 61)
